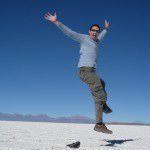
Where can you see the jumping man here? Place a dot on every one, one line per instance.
(87, 66)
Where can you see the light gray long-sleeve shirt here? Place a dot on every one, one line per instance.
(88, 47)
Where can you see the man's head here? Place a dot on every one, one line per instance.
(94, 31)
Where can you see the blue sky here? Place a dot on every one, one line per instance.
(38, 64)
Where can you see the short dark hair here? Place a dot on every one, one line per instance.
(94, 25)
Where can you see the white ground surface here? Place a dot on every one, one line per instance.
(55, 136)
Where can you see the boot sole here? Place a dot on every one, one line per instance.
(103, 132)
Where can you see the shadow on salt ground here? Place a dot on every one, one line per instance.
(113, 142)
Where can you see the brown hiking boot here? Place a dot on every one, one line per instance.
(102, 128)
(106, 109)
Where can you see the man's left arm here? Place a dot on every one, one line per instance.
(104, 32)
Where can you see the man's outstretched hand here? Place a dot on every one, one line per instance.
(106, 24)
(51, 18)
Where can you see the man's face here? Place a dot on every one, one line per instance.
(94, 33)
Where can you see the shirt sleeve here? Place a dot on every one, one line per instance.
(72, 34)
(102, 35)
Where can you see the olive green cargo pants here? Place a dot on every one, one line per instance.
(89, 76)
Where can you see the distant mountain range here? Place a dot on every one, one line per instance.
(46, 118)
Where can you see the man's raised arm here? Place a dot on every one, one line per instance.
(103, 33)
(72, 34)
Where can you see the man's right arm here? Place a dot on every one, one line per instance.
(67, 31)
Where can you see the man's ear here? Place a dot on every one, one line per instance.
(89, 31)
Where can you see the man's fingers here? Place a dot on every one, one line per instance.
(49, 14)
(46, 18)
(46, 15)
(106, 22)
